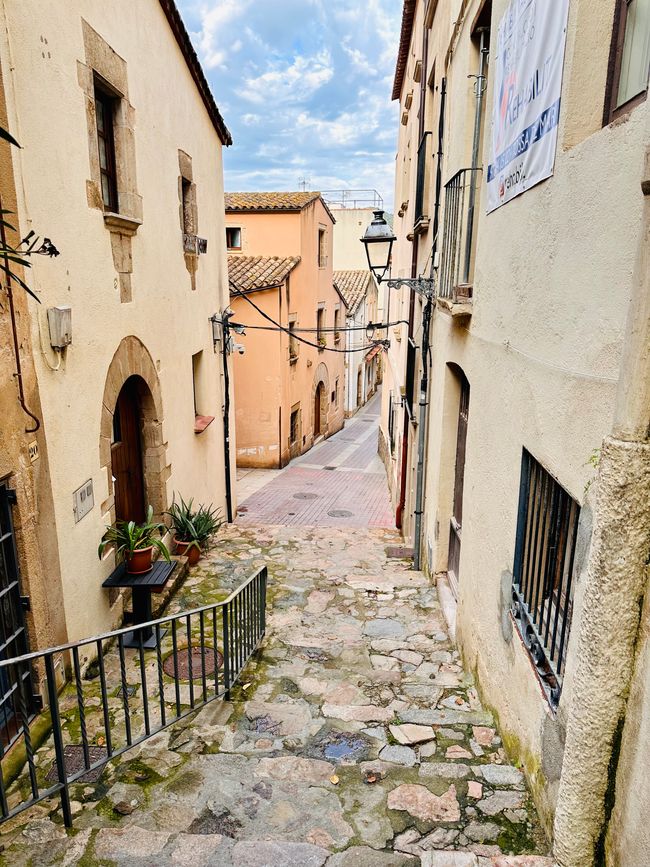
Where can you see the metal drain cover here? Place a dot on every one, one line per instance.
(340, 513)
(305, 496)
(329, 468)
(73, 760)
(184, 662)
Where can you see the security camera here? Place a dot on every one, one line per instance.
(240, 348)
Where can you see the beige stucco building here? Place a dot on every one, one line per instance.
(527, 340)
(131, 193)
(289, 383)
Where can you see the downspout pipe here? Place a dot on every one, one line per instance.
(426, 326)
(225, 334)
(614, 592)
(476, 143)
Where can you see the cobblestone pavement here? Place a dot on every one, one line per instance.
(355, 739)
(341, 482)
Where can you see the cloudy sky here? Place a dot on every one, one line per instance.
(304, 87)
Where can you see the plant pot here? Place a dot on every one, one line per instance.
(140, 562)
(189, 550)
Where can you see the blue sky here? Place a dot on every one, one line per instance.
(304, 87)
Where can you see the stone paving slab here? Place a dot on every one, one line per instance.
(355, 738)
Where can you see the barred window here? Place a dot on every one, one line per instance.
(542, 589)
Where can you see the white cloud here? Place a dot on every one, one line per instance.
(211, 45)
(289, 82)
(358, 59)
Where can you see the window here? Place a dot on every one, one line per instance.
(293, 343)
(320, 327)
(233, 237)
(197, 360)
(188, 216)
(542, 591)
(630, 57)
(294, 432)
(322, 248)
(104, 110)
(337, 325)
(335, 396)
(391, 423)
(409, 396)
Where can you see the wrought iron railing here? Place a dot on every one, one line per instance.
(459, 230)
(542, 585)
(126, 696)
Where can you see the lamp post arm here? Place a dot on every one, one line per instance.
(424, 286)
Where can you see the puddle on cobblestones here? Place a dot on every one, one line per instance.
(341, 747)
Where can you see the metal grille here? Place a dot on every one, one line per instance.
(15, 686)
(229, 632)
(542, 592)
(457, 241)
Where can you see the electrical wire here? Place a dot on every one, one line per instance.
(302, 339)
(376, 325)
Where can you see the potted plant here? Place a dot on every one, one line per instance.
(192, 528)
(134, 543)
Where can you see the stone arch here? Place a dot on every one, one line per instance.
(321, 376)
(132, 359)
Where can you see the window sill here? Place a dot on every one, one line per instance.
(121, 223)
(421, 225)
(201, 422)
(458, 307)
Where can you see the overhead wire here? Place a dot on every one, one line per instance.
(295, 336)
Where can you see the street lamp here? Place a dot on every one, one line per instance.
(378, 240)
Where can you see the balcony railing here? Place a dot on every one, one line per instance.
(127, 696)
(458, 234)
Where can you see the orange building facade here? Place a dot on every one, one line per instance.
(289, 384)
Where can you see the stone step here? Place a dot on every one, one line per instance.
(453, 858)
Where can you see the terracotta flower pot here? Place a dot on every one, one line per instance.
(140, 562)
(189, 550)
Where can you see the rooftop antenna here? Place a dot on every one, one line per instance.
(303, 183)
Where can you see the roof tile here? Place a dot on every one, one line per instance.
(352, 286)
(269, 201)
(250, 273)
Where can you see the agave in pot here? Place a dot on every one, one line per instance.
(134, 543)
(193, 528)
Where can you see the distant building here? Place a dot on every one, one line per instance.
(289, 383)
(362, 364)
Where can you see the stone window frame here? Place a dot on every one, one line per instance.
(188, 211)
(102, 68)
(234, 229)
(322, 246)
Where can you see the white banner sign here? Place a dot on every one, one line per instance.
(527, 88)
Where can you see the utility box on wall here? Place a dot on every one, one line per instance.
(59, 320)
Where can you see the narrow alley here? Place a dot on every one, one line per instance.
(341, 482)
(353, 739)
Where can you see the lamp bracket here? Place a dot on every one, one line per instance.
(424, 286)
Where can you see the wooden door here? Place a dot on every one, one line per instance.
(317, 408)
(455, 530)
(126, 455)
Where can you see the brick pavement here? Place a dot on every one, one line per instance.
(341, 474)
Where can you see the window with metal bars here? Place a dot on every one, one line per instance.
(542, 587)
(411, 364)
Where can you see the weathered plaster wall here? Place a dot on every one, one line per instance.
(46, 47)
(551, 288)
(35, 532)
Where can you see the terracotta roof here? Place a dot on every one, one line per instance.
(184, 43)
(269, 201)
(352, 286)
(251, 273)
(408, 14)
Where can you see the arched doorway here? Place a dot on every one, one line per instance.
(126, 452)
(318, 409)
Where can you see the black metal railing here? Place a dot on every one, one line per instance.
(122, 697)
(542, 586)
(459, 231)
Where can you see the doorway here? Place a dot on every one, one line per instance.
(456, 522)
(359, 387)
(126, 453)
(15, 681)
(318, 408)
